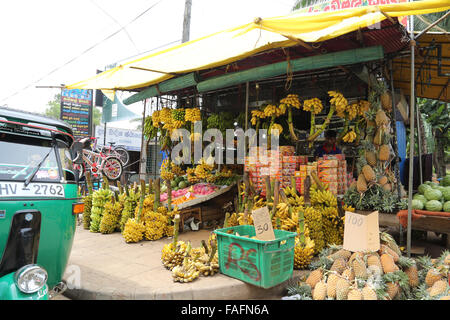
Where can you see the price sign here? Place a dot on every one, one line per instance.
(263, 224)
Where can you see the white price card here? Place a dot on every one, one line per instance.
(263, 224)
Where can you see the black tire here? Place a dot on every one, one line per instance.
(123, 155)
(113, 168)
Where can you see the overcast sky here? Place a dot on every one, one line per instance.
(39, 38)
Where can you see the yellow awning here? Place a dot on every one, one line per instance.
(231, 45)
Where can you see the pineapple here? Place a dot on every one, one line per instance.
(374, 259)
(355, 294)
(368, 173)
(389, 251)
(368, 293)
(314, 277)
(388, 263)
(331, 285)
(378, 138)
(348, 274)
(342, 289)
(361, 184)
(381, 119)
(320, 291)
(342, 253)
(432, 276)
(392, 289)
(359, 268)
(339, 265)
(439, 287)
(382, 180)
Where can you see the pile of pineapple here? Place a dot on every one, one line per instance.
(376, 183)
(339, 274)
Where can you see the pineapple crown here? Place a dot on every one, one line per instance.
(442, 257)
(399, 277)
(406, 262)
(425, 262)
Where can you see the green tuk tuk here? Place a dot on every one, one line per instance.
(38, 204)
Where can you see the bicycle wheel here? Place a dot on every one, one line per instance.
(122, 154)
(112, 168)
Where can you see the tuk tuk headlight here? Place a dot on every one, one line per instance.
(30, 278)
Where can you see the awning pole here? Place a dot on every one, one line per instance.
(419, 144)
(395, 142)
(246, 117)
(411, 141)
(142, 162)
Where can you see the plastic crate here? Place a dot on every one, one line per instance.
(261, 263)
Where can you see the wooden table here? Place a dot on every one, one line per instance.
(425, 223)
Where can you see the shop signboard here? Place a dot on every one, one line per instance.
(76, 110)
(333, 5)
(130, 139)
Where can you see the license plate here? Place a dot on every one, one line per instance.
(17, 189)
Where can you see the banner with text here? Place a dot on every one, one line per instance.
(333, 5)
(130, 139)
(76, 108)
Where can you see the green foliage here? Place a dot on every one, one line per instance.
(53, 110)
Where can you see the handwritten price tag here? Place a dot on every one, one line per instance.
(262, 223)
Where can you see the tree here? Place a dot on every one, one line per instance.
(53, 110)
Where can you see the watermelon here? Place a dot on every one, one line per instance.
(446, 193)
(182, 185)
(173, 183)
(423, 187)
(417, 204)
(433, 194)
(446, 181)
(433, 205)
(420, 197)
(447, 206)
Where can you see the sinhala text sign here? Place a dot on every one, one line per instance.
(76, 108)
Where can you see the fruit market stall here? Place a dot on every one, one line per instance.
(343, 82)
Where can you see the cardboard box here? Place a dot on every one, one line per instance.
(328, 163)
(361, 231)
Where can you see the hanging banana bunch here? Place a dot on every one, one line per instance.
(337, 101)
(291, 101)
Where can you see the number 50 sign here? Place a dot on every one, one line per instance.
(263, 225)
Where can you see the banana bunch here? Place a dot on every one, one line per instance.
(313, 219)
(192, 178)
(270, 110)
(133, 231)
(173, 255)
(192, 115)
(100, 197)
(278, 127)
(313, 105)
(233, 220)
(364, 106)
(156, 118)
(348, 208)
(242, 220)
(283, 216)
(349, 136)
(259, 202)
(150, 131)
(177, 170)
(339, 101)
(187, 272)
(203, 171)
(178, 114)
(166, 170)
(155, 225)
(293, 198)
(303, 253)
(324, 197)
(291, 100)
(207, 263)
(352, 111)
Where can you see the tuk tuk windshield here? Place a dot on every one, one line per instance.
(19, 156)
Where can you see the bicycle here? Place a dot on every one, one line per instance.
(97, 162)
(91, 144)
(116, 151)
